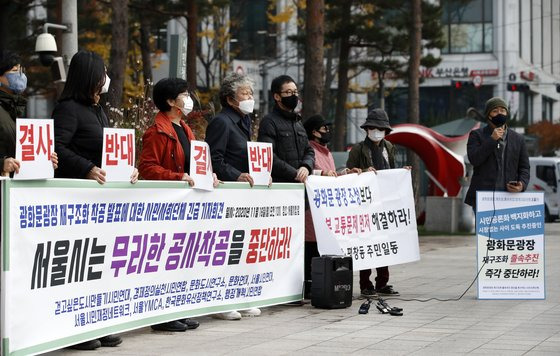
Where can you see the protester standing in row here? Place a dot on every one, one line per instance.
(227, 135)
(79, 120)
(319, 134)
(13, 83)
(78, 131)
(166, 151)
(372, 154)
(293, 156)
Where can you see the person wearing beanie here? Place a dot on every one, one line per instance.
(498, 155)
(373, 154)
(319, 134)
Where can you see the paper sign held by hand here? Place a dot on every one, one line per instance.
(34, 148)
(118, 154)
(201, 166)
(260, 161)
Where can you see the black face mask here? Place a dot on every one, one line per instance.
(325, 137)
(499, 120)
(290, 102)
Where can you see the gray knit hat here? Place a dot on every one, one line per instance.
(377, 118)
(493, 103)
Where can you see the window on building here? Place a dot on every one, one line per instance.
(160, 39)
(525, 112)
(252, 35)
(438, 105)
(547, 104)
(467, 26)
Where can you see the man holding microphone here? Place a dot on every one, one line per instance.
(498, 155)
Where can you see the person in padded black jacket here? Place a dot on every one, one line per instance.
(293, 155)
(78, 131)
(79, 120)
(498, 155)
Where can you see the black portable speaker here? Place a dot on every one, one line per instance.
(331, 286)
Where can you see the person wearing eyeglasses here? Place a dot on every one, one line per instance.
(293, 155)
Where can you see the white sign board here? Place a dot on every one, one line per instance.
(260, 161)
(118, 156)
(510, 234)
(34, 147)
(369, 217)
(201, 166)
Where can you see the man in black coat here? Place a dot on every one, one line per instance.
(294, 157)
(498, 155)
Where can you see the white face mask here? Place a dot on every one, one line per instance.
(376, 135)
(247, 106)
(188, 105)
(105, 88)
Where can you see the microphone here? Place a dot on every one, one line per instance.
(500, 142)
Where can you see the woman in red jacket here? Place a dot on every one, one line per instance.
(166, 147)
(166, 144)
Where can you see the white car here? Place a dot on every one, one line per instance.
(545, 177)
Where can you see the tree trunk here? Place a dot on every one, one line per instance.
(381, 94)
(314, 68)
(119, 49)
(329, 78)
(146, 49)
(192, 39)
(413, 87)
(342, 90)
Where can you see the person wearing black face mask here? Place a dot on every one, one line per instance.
(498, 155)
(294, 158)
(319, 134)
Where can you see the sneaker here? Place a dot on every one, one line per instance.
(232, 315)
(250, 312)
(110, 341)
(88, 345)
(368, 292)
(387, 290)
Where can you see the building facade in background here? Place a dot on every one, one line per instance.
(490, 44)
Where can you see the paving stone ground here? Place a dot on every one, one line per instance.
(447, 267)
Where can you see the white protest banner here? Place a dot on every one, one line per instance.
(510, 234)
(369, 217)
(260, 161)
(34, 147)
(118, 154)
(83, 260)
(201, 166)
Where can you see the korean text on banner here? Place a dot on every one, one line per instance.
(260, 161)
(510, 234)
(201, 166)
(34, 147)
(83, 260)
(118, 155)
(369, 217)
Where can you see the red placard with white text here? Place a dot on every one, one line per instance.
(118, 154)
(201, 166)
(260, 161)
(34, 148)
